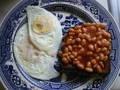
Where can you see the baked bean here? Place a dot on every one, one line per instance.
(65, 54)
(79, 31)
(88, 64)
(104, 49)
(91, 47)
(110, 47)
(106, 34)
(66, 49)
(101, 64)
(87, 36)
(84, 30)
(64, 59)
(81, 51)
(101, 25)
(68, 58)
(71, 33)
(75, 59)
(89, 69)
(99, 43)
(99, 69)
(60, 53)
(93, 28)
(93, 61)
(75, 53)
(97, 57)
(90, 57)
(71, 37)
(70, 47)
(71, 30)
(109, 40)
(77, 62)
(79, 57)
(78, 39)
(83, 42)
(63, 44)
(95, 65)
(75, 46)
(99, 33)
(79, 46)
(100, 37)
(99, 29)
(65, 36)
(68, 66)
(89, 53)
(81, 66)
(104, 42)
(96, 46)
(74, 62)
(69, 41)
(73, 41)
(105, 58)
(93, 39)
(107, 52)
(102, 56)
(98, 50)
(103, 31)
(69, 53)
(72, 56)
(81, 36)
(89, 24)
(77, 27)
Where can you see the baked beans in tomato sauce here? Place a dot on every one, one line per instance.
(87, 47)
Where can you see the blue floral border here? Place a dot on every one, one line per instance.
(7, 30)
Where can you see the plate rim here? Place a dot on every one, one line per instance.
(6, 17)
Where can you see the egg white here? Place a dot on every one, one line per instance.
(33, 61)
(45, 31)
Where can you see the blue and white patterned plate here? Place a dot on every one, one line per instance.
(70, 13)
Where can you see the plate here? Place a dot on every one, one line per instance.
(70, 13)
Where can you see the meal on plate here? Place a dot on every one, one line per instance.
(37, 42)
(87, 47)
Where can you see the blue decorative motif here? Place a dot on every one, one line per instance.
(68, 21)
(13, 75)
(96, 83)
(16, 80)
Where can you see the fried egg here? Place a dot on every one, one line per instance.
(44, 29)
(33, 61)
(37, 42)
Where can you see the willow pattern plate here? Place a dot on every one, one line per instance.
(69, 13)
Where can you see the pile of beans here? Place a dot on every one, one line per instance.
(87, 47)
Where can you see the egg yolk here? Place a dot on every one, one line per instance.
(42, 24)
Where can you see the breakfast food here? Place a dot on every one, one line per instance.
(87, 47)
(36, 44)
(44, 29)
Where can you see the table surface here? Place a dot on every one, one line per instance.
(6, 5)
